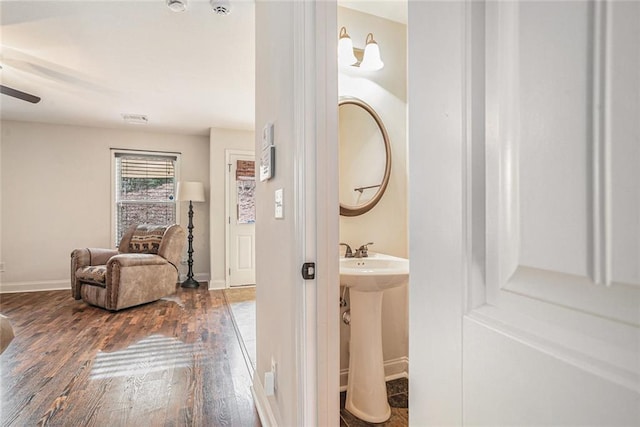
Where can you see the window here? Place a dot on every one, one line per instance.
(144, 189)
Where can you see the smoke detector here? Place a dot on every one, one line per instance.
(177, 5)
(220, 7)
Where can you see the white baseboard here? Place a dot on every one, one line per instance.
(57, 285)
(261, 401)
(36, 286)
(393, 369)
(217, 284)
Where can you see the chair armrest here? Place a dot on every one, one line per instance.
(134, 260)
(100, 256)
(130, 271)
(85, 257)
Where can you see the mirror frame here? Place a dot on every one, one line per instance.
(346, 210)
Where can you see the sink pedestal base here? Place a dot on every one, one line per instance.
(366, 387)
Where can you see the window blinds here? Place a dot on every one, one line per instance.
(145, 190)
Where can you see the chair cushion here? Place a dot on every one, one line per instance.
(146, 239)
(95, 274)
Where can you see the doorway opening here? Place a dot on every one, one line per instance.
(240, 266)
(240, 271)
(373, 182)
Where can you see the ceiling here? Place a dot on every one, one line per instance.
(393, 10)
(93, 61)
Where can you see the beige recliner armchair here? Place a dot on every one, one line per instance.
(144, 268)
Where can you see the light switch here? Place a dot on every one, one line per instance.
(279, 203)
(269, 384)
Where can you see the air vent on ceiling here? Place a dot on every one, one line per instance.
(135, 119)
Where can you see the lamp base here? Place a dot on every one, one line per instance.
(190, 283)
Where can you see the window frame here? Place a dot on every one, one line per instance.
(114, 152)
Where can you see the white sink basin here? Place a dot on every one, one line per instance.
(367, 279)
(374, 273)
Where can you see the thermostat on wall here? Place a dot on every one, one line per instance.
(267, 157)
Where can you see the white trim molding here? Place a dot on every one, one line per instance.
(218, 284)
(264, 408)
(36, 286)
(65, 284)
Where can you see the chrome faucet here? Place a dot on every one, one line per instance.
(363, 251)
(348, 253)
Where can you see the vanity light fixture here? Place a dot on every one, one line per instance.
(348, 55)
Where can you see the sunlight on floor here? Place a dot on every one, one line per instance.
(152, 354)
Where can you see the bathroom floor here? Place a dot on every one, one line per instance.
(398, 396)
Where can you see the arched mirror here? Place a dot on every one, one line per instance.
(365, 157)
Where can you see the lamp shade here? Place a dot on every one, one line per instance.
(371, 59)
(190, 191)
(345, 49)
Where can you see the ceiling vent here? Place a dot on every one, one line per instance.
(135, 119)
(221, 7)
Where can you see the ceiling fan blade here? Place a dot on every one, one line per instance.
(19, 94)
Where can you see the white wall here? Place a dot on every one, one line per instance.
(277, 274)
(386, 223)
(221, 140)
(296, 90)
(56, 190)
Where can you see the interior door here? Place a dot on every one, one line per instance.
(241, 216)
(525, 213)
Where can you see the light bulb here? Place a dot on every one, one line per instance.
(345, 49)
(371, 58)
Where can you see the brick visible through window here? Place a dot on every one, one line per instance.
(145, 190)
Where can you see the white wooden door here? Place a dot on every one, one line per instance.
(241, 240)
(525, 213)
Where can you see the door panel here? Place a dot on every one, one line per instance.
(560, 207)
(245, 252)
(550, 184)
(241, 220)
(550, 207)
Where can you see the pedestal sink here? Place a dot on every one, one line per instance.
(367, 279)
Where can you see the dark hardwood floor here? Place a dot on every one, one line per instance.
(174, 362)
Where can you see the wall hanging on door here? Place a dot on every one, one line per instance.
(245, 187)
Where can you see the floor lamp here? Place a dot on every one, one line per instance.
(190, 191)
